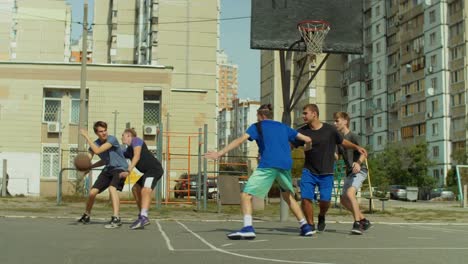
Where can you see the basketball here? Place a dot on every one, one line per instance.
(82, 162)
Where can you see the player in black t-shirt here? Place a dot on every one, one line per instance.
(142, 159)
(318, 163)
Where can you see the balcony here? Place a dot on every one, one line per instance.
(457, 87)
(456, 17)
(394, 107)
(458, 111)
(456, 64)
(458, 135)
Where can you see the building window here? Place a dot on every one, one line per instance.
(432, 16)
(377, 47)
(353, 91)
(50, 162)
(435, 151)
(434, 60)
(379, 140)
(353, 126)
(435, 105)
(353, 109)
(151, 108)
(379, 121)
(377, 29)
(435, 129)
(432, 38)
(52, 109)
(434, 83)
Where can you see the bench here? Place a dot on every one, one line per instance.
(383, 200)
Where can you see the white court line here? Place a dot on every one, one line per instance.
(421, 237)
(318, 249)
(225, 245)
(257, 241)
(445, 230)
(166, 238)
(240, 255)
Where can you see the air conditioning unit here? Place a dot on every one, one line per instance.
(430, 69)
(429, 114)
(312, 66)
(150, 130)
(53, 127)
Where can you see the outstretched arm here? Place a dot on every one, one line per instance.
(306, 139)
(95, 148)
(234, 144)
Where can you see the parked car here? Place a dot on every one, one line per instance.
(398, 192)
(181, 187)
(443, 193)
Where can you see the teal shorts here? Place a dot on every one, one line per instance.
(262, 179)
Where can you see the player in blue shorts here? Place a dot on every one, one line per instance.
(273, 139)
(318, 163)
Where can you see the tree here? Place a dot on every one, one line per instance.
(403, 165)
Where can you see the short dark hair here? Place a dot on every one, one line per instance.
(99, 124)
(266, 110)
(312, 107)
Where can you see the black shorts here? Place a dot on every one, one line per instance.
(155, 174)
(109, 178)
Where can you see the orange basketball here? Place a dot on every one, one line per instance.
(82, 162)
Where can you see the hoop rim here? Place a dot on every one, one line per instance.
(323, 22)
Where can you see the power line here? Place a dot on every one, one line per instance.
(132, 24)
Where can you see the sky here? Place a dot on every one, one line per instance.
(234, 40)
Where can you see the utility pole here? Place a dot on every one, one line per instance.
(115, 122)
(83, 121)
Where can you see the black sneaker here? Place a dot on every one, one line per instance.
(85, 219)
(357, 228)
(321, 223)
(114, 222)
(365, 224)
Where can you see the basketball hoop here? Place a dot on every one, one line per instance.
(313, 33)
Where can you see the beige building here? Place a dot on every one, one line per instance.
(227, 81)
(35, 30)
(324, 90)
(39, 113)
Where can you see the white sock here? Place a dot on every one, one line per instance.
(302, 222)
(247, 220)
(144, 212)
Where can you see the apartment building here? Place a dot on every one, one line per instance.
(35, 30)
(409, 85)
(227, 81)
(324, 90)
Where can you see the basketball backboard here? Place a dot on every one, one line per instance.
(274, 24)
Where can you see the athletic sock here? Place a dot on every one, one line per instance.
(302, 222)
(247, 220)
(144, 212)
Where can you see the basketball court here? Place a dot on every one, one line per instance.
(52, 240)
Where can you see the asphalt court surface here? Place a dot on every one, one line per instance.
(52, 240)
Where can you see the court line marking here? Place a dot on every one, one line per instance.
(318, 249)
(439, 229)
(241, 255)
(166, 238)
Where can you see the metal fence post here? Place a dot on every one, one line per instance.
(205, 164)
(4, 179)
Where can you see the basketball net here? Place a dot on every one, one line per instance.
(313, 32)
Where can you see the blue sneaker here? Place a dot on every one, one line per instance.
(307, 230)
(140, 223)
(247, 232)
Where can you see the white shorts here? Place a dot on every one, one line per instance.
(354, 180)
